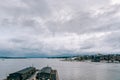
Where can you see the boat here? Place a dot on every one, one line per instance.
(31, 73)
(22, 74)
(47, 73)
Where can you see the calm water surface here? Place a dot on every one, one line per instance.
(66, 70)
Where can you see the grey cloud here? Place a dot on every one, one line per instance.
(38, 7)
(25, 8)
(113, 40)
(29, 23)
(59, 27)
(88, 22)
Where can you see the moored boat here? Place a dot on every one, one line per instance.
(47, 73)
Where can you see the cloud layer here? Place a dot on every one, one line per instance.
(56, 27)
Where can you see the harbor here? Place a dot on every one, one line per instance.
(67, 70)
(31, 73)
(59, 40)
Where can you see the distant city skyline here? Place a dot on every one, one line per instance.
(59, 27)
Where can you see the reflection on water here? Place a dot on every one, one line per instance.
(66, 70)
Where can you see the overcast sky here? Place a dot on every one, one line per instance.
(56, 27)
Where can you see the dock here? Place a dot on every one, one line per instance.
(53, 74)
